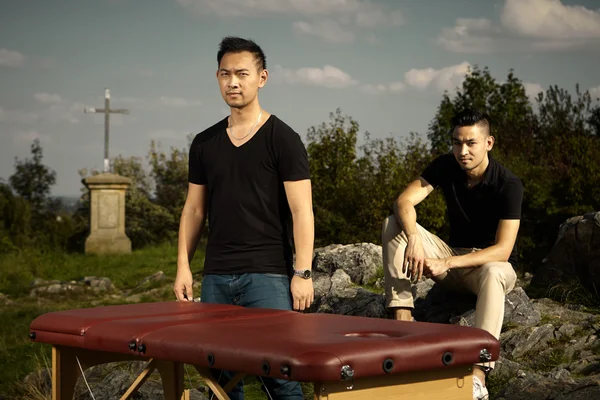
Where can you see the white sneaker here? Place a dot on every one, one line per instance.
(480, 392)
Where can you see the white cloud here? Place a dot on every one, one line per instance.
(324, 18)
(392, 87)
(469, 35)
(329, 30)
(595, 92)
(261, 8)
(48, 98)
(532, 90)
(525, 25)
(550, 19)
(328, 76)
(11, 58)
(447, 78)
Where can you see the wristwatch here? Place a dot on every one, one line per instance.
(303, 273)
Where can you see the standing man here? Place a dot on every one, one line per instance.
(483, 200)
(249, 174)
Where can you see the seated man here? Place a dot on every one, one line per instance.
(483, 199)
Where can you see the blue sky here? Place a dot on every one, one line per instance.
(384, 63)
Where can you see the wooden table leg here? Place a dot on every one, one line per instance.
(65, 372)
(171, 374)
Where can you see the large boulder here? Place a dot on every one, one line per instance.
(338, 271)
(575, 257)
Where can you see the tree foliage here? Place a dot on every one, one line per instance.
(552, 143)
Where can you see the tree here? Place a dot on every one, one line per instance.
(554, 151)
(332, 152)
(32, 180)
(170, 175)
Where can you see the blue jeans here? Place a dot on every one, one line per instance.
(252, 290)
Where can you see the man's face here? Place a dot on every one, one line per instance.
(239, 79)
(470, 145)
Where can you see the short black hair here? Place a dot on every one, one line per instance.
(471, 117)
(232, 44)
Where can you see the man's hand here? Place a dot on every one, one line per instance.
(183, 284)
(303, 293)
(436, 267)
(414, 258)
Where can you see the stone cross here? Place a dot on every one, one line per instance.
(107, 111)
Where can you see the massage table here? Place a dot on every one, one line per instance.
(345, 357)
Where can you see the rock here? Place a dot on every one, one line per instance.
(98, 284)
(442, 306)
(362, 261)
(338, 295)
(54, 287)
(338, 270)
(518, 310)
(591, 369)
(528, 340)
(505, 369)
(575, 257)
(107, 382)
(150, 280)
(4, 300)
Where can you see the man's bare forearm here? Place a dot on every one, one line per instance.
(406, 215)
(495, 253)
(304, 235)
(191, 226)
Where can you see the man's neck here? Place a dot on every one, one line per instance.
(246, 115)
(477, 174)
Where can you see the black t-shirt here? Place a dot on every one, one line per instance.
(249, 219)
(474, 213)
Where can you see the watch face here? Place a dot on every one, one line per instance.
(307, 274)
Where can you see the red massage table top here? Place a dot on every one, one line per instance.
(281, 344)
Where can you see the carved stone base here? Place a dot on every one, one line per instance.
(98, 244)
(107, 214)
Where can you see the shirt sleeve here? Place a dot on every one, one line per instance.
(292, 155)
(196, 173)
(512, 199)
(433, 173)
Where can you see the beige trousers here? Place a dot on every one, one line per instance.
(490, 282)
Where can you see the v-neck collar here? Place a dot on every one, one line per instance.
(251, 138)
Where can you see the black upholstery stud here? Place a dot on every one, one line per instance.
(142, 348)
(285, 370)
(132, 345)
(266, 368)
(32, 335)
(210, 358)
(388, 365)
(447, 358)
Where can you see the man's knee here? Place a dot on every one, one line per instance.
(501, 272)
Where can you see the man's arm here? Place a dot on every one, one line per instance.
(404, 206)
(506, 235)
(406, 216)
(191, 225)
(299, 195)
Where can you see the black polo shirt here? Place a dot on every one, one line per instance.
(474, 213)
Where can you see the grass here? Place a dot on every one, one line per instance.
(19, 356)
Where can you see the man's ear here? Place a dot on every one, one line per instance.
(264, 77)
(490, 140)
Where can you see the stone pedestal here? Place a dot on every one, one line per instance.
(107, 214)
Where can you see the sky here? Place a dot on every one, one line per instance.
(386, 64)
